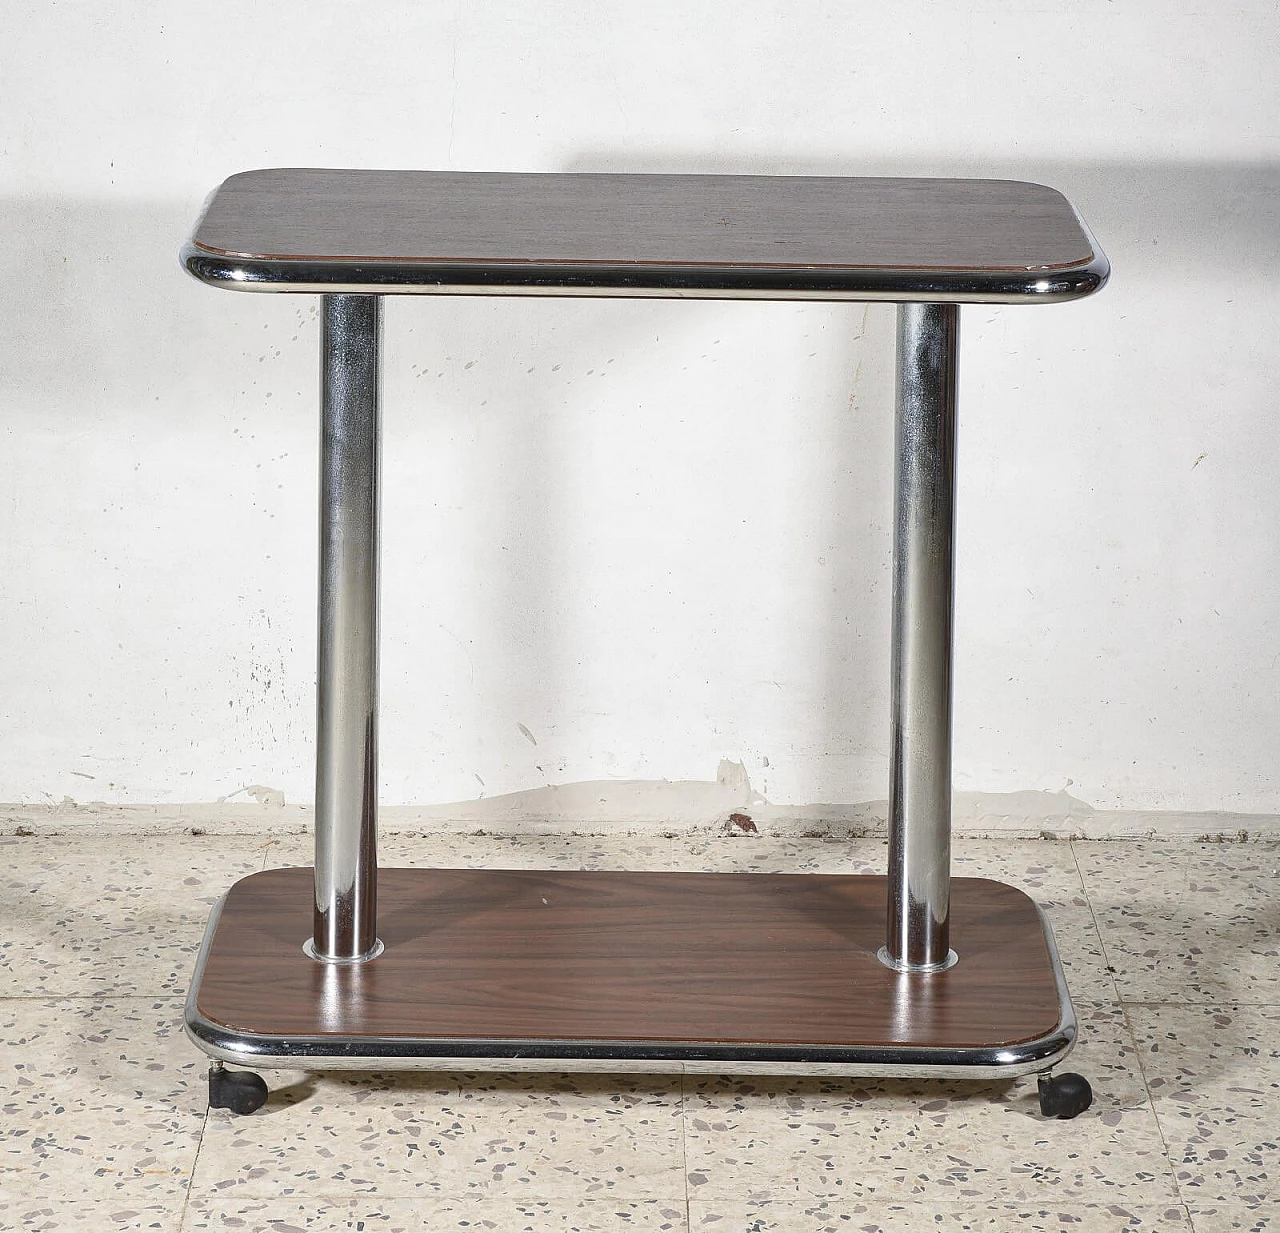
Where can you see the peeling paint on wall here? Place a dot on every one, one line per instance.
(271, 797)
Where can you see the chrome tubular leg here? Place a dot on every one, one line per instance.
(917, 937)
(347, 659)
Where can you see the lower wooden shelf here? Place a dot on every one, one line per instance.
(730, 973)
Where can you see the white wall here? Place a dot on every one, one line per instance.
(653, 534)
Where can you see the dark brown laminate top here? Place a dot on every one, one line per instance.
(518, 955)
(827, 237)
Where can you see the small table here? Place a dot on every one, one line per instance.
(911, 974)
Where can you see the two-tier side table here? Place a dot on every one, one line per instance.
(910, 974)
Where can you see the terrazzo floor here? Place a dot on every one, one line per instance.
(1171, 953)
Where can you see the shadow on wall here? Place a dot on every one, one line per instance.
(96, 309)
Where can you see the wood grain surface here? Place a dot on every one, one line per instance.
(685, 957)
(688, 221)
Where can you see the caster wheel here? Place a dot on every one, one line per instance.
(241, 1091)
(1064, 1096)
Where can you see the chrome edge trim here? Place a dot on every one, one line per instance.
(255, 1050)
(1068, 1026)
(406, 278)
(1100, 265)
(191, 1012)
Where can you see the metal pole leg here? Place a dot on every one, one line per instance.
(347, 660)
(917, 936)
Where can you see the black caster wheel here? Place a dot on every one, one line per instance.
(241, 1091)
(1064, 1096)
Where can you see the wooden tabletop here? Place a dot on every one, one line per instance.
(519, 956)
(295, 229)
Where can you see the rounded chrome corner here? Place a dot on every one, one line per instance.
(1088, 279)
(235, 273)
(1062, 286)
(1099, 272)
(1095, 275)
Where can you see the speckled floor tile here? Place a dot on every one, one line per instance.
(117, 916)
(364, 1214)
(1084, 962)
(839, 1216)
(514, 1137)
(53, 1215)
(1214, 1076)
(101, 1100)
(1229, 1218)
(766, 854)
(1188, 922)
(814, 1139)
(1045, 869)
(497, 851)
